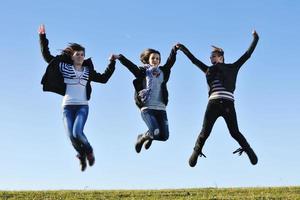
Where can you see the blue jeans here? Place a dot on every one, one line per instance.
(157, 122)
(74, 117)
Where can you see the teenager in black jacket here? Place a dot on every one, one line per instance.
(151, 94)
(69, 75)
(221, 79)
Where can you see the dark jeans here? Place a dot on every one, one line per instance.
(216, 108)
(157, 122)
(74, 117)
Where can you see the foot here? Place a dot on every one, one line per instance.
(250, 153)
(194, 157)
(82, 159)
(252, 156)
(140, 141)
(148, 143)
(91, 159)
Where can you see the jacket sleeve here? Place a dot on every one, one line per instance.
(171, 59)
(133, 68)
(194, 60)
(105, 76)
(44, 48)
(248, 53)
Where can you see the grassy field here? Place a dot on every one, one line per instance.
(284, 193)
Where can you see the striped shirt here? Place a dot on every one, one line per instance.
(218, 91)
(76, 82)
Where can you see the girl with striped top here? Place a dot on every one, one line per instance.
(69, 74)
(221, 79)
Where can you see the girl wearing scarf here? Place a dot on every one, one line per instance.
(151, 94)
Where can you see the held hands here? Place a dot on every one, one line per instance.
(179, 46)
(42, 29)
(114, 57)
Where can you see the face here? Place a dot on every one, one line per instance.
(154, 59)
(78, 57)
(215, 58)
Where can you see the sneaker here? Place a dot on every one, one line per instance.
(91, 159)
(82, 160)
(194, 157)
(148, 143)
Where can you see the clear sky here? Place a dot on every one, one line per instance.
(35, 151)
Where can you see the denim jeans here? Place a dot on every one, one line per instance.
(74, 118)
(216, 108)
(157, 123)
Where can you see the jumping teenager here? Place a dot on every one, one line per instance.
(151, 94)
(69, 74)
(221, 80)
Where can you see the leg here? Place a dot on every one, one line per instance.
(211, 114)
(153, 132)
(162, 120)
(80, 120)
(229, 115)
(68, 119)
(150, 119)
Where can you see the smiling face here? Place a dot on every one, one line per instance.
(216, 58)
(78, 58)
(154, 59)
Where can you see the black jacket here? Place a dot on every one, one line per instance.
(140, 74)
(226, 73)
(53, 80)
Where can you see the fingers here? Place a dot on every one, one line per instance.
(254, 33)
(178, 46)
(114, 57)
(42, 29)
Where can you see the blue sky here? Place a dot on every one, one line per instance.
(36, 153)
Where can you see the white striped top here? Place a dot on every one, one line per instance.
(218, 91)
(75, 84)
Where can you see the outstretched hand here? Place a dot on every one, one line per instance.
(254, 33)
(42, 29)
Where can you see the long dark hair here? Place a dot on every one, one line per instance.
(146, 54)
(71, 48)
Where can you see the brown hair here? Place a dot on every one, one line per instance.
(219, 51)
(69, 50)
(146, 54)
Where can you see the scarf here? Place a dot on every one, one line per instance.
(151, 72)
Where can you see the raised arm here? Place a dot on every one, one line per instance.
(250, 50)
(44, 44)
(172, 58)
(133, 68)
(192, 58)
(105, 76)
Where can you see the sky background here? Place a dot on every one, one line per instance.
(35, 151)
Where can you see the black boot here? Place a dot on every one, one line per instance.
(82, 159)
(194, 157)
(148, 143)
(140, 141)
(252, 156)
(91, 158)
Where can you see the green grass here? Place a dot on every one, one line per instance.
(274, 193)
